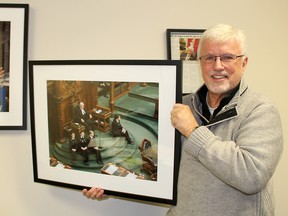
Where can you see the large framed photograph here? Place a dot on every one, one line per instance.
(182, 44)
(13, 66)
(106, 123)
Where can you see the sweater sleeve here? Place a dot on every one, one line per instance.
(242, 152)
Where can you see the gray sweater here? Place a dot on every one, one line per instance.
(226, 167)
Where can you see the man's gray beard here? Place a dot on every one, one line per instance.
(219, 89)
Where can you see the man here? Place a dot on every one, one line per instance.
(83, 146)
(118, 130)
(94, 148)
(232, 136)
(83, 117)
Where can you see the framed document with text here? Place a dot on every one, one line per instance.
(182, 44)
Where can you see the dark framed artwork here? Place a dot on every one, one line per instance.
(76, 149)
(13, 66)
(182, 44)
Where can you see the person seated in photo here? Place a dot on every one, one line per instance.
(83, 147)
(73, 147)
(105, 89)
(94, 148)
(119, 131)
(84, 118)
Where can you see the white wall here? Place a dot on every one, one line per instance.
(129, 29)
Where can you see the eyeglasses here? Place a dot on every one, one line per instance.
(225, 58)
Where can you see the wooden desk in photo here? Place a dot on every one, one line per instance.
(102, 115)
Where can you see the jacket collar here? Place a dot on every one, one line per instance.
(228, 111)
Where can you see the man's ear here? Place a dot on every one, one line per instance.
(244, 64)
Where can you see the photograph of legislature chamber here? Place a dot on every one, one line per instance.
(104, 127)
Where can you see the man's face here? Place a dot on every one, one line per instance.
(219, 77)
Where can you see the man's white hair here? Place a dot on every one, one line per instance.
(223, 33)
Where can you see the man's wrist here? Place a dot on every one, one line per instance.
(194, 129)
(191, 131)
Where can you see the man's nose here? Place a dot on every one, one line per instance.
(218, 65)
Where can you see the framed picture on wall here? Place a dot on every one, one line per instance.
(106, 123)
(13, 66)
(182, 44)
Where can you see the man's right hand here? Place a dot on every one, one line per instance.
(183, 120)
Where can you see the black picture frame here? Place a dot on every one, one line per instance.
(182, 44)
(13, 60)
(57, 87)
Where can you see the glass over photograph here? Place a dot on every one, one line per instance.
(109, 127)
